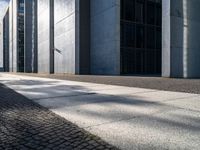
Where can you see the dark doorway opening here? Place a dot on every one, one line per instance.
(141, 22)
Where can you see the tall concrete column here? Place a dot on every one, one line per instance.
(13, 35)
(72, 36)
(105, 37)
(30, 40)
(44, 36)
(181, 45)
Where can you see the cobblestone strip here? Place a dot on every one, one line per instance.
(27, 125)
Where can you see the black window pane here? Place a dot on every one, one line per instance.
(158, 38)
(151, 38)
(150, 61)
(140, 37)
(129, 10)
(139, 61)
(158, 14)
(140, 11)
(150, 12)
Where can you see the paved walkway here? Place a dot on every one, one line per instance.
(25, 125)
(149, 82)
(127, 117)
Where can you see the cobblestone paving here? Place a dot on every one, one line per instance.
(27, 125)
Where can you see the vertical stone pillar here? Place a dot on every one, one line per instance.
(105, 37)
(180, 34)
(30, 46)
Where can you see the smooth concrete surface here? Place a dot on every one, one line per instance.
(30, 34)
(65, 38)
(43, 37)
(13, 36)
(105, 37)
(181, 25)
(129, 118)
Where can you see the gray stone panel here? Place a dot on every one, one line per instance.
(105, 37)
(72, 32)
(11, 36)
(181, 38)
(14, 35)
(30, 38)
(64, 13)
(43, 36)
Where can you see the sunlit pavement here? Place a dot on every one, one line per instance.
(25, 125)
(127, 117)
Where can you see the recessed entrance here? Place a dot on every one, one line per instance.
(141, 36)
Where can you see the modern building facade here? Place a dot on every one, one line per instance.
(4, 42)
(19, 32)
(63, 36)
(107, 37)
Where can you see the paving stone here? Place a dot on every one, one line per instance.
(27, 125)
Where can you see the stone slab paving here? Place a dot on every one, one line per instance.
(25, 125)
(149, 82)
(127, 117)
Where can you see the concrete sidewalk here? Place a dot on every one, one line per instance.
(127, 117)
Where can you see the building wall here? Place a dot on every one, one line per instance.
(6, 41)
(71, 54)
(30, 36)
(105, 37)
(166, 38)
(30, 42)
(11, 36)
(1, 46)
(84, 37)
(14, 35)
(79, 37)
(181, 45)
(65, 38)
(43, 36)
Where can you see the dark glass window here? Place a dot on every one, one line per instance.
(20, 30)
(139, 69)
(141, 36)
(150, 61)
(128, 31)
(150, 37)
(158, 38)
(158, 14)
(129, 13)
(140, 11)
(151, 12)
